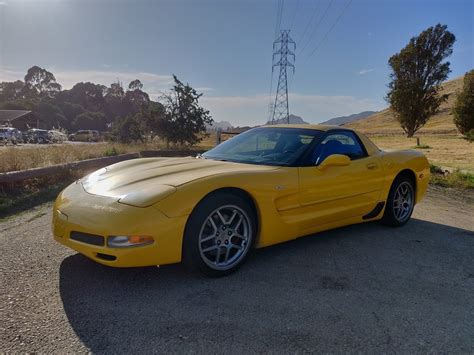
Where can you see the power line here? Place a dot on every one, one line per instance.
(330, 30)
(317, 26)
(294, 15)
(279, 17)
(309, 23)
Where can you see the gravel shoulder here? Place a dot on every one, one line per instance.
(364, 288)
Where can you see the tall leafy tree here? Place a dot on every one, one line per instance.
(89, 95)
(41, 83)
(114, 98)
(135, 84)
(185, 120)
(135, 98)
(417, 73)
(464, 106)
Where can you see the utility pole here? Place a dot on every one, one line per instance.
(283, 57)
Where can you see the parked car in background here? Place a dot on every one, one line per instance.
(39, 136)
(10, 135)
(85, 135)
(57, 136)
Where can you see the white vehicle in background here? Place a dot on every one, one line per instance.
(57, 136)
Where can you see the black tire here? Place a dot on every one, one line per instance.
(228, 239)
(399, 212)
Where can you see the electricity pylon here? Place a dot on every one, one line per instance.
(282, 57)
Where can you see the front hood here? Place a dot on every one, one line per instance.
(143, 182)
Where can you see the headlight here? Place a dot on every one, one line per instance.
(123, 241)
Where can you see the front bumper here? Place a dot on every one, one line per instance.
(78, 211)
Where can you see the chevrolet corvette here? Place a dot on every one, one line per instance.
(265, 186)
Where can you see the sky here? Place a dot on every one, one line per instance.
(224, 48)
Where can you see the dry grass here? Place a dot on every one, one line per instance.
(27, 157)
(444, 150)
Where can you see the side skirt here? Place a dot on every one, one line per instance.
(375, 212)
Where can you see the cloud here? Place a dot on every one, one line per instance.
(3, 3)
(204, 89)
(365, 71)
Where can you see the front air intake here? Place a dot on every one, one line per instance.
(87, 238)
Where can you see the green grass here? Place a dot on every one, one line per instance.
(469, 136)
(456, 179)
(112, 151)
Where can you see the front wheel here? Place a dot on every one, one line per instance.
(400, 202)
(219, 234)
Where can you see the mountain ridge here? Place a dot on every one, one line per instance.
(339, 121)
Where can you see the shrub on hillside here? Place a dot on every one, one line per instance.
(464, 107)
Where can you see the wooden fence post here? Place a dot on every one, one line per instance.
(218, 136)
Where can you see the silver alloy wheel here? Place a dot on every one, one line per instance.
(225, 237)
(403, 201)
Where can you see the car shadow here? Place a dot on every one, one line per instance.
(358, 286)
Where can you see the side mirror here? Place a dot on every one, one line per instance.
(334, 160)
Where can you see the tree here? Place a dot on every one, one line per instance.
(135, 98)
(49, 114)
(151, 120)
(89, 120)
(114, 98)
(128, 130)
(418, 71)
(464, 106)
(40, 82)
(11, 91)
(185, 120)
(88, 95)
(135, 84)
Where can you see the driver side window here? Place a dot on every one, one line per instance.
(345, 143)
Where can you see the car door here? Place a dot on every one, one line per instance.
(335, 193)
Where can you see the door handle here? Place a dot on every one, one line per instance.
(372, 166)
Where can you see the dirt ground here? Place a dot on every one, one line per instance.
(364, 288)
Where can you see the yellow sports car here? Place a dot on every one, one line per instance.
(262, 187)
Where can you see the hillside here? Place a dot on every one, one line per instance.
(337, 121)
(384, 122)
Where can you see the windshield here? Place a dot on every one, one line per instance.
(266, 146)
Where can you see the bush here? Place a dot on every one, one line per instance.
(464, 107)
(111, 151)
(128, 130)
(456, 179)
(469, 135)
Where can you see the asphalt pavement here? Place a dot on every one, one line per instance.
(364, 288)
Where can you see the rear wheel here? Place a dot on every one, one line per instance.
(400, 202)
(219, 234)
